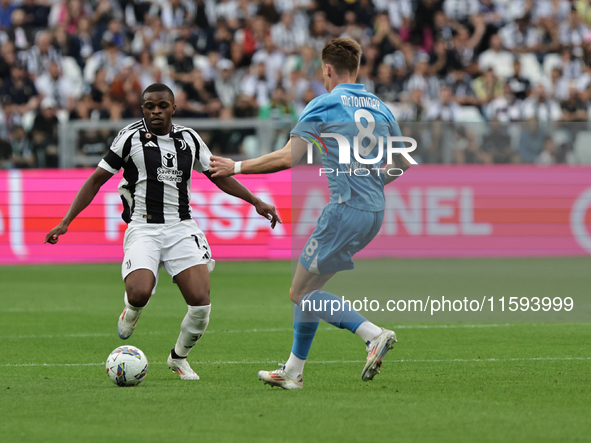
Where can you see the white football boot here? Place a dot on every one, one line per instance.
(279, 377)
(182, 368)
(127, 321)
(376, 349)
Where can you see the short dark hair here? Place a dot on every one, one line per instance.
(343, 54)
(158, 87)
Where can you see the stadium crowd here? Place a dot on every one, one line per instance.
(447, 61)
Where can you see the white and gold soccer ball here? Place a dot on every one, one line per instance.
(127, 366)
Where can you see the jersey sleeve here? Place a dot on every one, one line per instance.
(114, 159)
(202, 154)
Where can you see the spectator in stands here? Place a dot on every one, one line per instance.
(520, 86)
(320, 33)
(278, 107)
(461, 87)
(203, 94)
(153, 37)
(186, 108)
(126, 81)
(572, 31)
(415, 107)
(226, 84)
(464, 45)
(520, 35)
(445, 109)
(84, 35)
(556, 86)
(274, 61)
(17, 33)
(487, 87)
(572, 67)
(461, 10)
(255, 85)
(286, 36)
(7, 7)
(420, 79)
(53, 84)
(44, 134)
(385, 39)
(7, 60)
(385, 88)
(36, 14)
(41, 55)
(110, 59)
(18, 94)
(505, 108)
(21, 152)
(69, 45)
(180, 63)
(574, 109)
(539, 107)
(501, 61)
(67, 13)
(133, 105)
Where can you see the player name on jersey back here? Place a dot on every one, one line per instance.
(360, 102)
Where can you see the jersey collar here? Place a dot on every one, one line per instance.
(353, 86)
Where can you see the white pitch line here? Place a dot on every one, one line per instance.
(55, 309)
(265, 362)
(249, 331)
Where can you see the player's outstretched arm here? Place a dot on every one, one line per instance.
(85, 195)
(273, 162)
(233, 187)
(276, 161)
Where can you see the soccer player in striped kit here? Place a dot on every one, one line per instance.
(157, 158)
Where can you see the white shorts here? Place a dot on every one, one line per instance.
(177, 247)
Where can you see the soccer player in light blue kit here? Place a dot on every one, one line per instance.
(351, 219)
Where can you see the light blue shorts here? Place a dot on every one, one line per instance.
(341, 232)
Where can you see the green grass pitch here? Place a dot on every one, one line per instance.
(456, 382)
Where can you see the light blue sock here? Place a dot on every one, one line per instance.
(331, 309)
(305, 325)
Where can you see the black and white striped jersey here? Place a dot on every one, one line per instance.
(156, 184)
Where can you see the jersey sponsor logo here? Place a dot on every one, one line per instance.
(168, 172)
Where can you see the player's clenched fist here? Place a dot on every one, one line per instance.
(54, 234)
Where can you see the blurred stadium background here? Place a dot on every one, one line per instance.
(485, 82)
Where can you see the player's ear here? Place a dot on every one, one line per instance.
(173, 108)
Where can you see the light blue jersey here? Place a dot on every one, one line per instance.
(349, 110)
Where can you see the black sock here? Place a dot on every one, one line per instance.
(174, 354)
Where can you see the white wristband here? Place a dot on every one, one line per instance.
(237, 167)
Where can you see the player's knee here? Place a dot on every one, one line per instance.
(138, 295)
(294, 295)
(198, 297)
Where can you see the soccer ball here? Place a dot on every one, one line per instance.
(127, 366)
